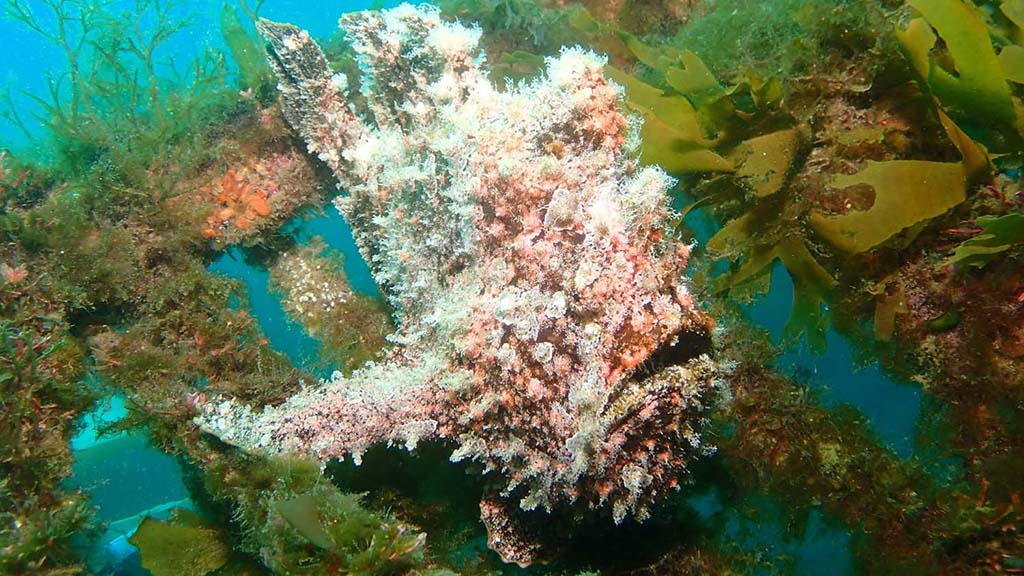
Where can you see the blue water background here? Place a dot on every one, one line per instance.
(336, 233)
(29, 59)
(285, 335)
(126, 478)
(891, 407)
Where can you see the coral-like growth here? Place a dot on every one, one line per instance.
(546, 328)
(238, 204)
(258, 183)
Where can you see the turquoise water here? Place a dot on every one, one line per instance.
(39, 61)
(287, 336)
(891, 407)
(126, 477)
(127, 480)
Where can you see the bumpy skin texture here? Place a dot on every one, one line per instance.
(546, 329)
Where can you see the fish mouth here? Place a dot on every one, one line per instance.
(679, 350)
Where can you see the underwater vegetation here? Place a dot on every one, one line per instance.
(41, 367)
(802, 166)
(531, 246)
(113, 107)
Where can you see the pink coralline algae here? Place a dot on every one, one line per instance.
(546, 329)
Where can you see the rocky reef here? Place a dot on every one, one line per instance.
(546, 330)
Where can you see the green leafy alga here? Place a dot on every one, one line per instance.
(812, 284)
(253, 70)
(672, 135)
(302, 514)
(999, 234)
(906, 192)
(976, 95)
(764, 161)
(182, 548)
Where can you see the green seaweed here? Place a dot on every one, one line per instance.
(180, 547)
(39, 535)
(517, 66)
(91, 265)
(973, 89)
(812, 284)
(1011, 58)
(974, 157)
(944, 322)
(668, 147)
(888, 304)
(673, 110)
(301, 513)
(672, 134)
(765, 92)
(784, 37)
(1011, 55)
(906, 192)
(118, 105)
(346, 536)
(693, 79)
(41, 393)
(690, 122)
(679, 129)
(998, 234)
(253, 71)
(686, 73)
(297, 521)
(685, 127)
(1014, 10)
(764, 161)
(515, 24)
